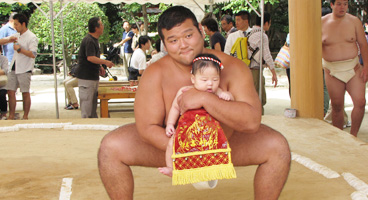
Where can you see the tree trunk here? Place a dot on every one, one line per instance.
(145, 18)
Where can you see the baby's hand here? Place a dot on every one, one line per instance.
(226, 96)
(170, 130)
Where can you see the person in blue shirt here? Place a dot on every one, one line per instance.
(6, 31)
(126, 50)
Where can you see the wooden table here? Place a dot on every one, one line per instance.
(113, 90)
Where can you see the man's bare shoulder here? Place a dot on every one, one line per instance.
(326, 18)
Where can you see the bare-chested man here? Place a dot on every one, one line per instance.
(144, 143)
(341, 32)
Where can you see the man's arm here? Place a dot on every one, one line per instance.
(363, 46)
(243, 114)
(96, 60)
(7, 40)
(122, 42)
(149, 109)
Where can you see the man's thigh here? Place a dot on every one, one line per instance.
(336, 88)
(12, 83)
(24, 81)
(356, 87)
(256, 148)
(128, 147)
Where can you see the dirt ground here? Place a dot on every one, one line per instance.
(36, 159)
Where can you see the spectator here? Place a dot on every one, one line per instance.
(21, 66)
(242, 24)
(254, 40)
(90, 68)
(70, 83)
(139, 61)
(126, 50)
(6, 31)
(3, 91)
(217, 41)
(227, 25)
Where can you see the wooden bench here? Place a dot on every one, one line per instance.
(113, 90)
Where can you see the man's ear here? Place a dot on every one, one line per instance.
(201, 30)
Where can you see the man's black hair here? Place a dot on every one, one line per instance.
(134, 26)
(93, 24)
(143, 40)
(266, 18)
(243, 14)
(21, 18)
(211, 24)
(175, 16)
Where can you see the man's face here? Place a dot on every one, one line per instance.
(183, 42)
(225, 26)
(340, 7)
(241, 24)
(206, 79)
(100, 29)
(126, 26)
(206, 30)
(18, 26)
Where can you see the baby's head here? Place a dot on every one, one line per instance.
(206, 72)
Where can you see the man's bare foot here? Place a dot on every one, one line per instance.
(25, 118)
(166, 171)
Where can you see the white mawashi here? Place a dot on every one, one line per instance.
(312, 165)
(66, 189)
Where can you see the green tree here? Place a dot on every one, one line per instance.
(6, 9)
(75, 26)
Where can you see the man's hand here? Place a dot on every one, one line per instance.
(16, 46)
(190, 99)
(102, 71)
(109, 64)
(116, 45)
(274, 77)
(13, 39)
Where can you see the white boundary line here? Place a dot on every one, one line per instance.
(312, 165)
(66, 189)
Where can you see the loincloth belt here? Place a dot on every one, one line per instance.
(342, 70)
(200, 151)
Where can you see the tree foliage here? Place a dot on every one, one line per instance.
(75, 24)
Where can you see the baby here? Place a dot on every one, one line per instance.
(206, 72)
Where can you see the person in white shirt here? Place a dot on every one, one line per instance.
(21, 66)
(242, 24)
(254, 40)
(138, 62)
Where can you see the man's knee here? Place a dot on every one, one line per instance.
(277, 145)
(360, 103)
(113, 144)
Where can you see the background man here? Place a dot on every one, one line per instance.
(217, 41)
(227, 25)
(126, 50)
(139, 61)
(90, 68)
(341, 32)
(254, 41)
(6, 31)
(144, 143)
(242, 24)
(22, 64)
